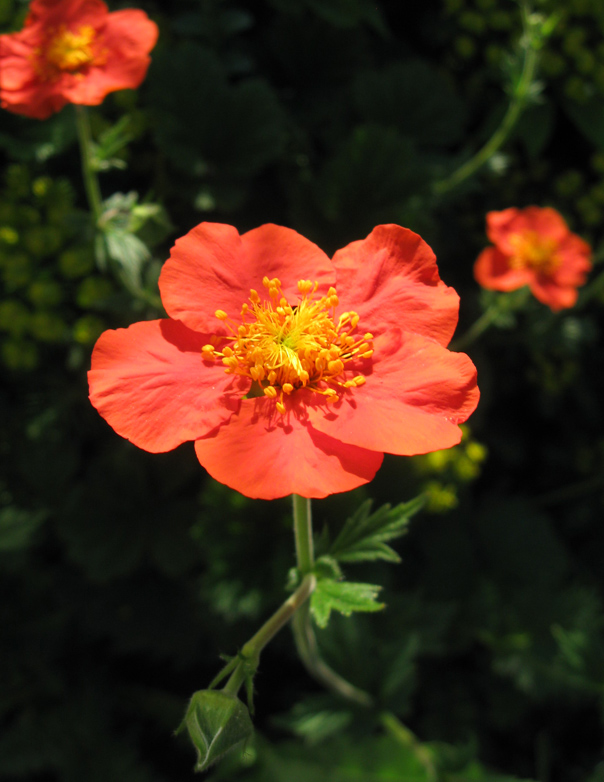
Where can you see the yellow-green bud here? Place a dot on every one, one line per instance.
(48, 327)
(14, 317)
(93, 292)
(76, 262)
(45, 293)
(19, 354)
(88, 329)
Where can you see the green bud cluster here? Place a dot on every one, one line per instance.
(573, 57)
(446, 470)
(47, 272)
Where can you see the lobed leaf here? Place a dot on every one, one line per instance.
(364, 535)
(344, 597)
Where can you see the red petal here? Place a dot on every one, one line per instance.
(391, 280)
(124, 43)
(546, 222)
(265, 456)
(411, 403)
(557, 297)
(54, 13)
(150, 384)
(492, 271)
(212, 267)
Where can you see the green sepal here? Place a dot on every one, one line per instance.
(364, 535)
(217, 723)
(344, 597)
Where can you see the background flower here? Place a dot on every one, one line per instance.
(278, 401)
(73, 51)
(534, 247)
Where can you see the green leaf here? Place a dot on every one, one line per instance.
(130, 253)
(112, 141)
(344, 597)
(364, 535)
(217, 723)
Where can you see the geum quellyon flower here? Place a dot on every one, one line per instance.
(535, 247)
(73, 51)
(291, 372)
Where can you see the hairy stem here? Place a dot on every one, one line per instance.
(250, 653)
(518, 101)
(91, 183)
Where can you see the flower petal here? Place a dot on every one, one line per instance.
(556, 296)
(54, 13)
(265, 456)
(125, 41)
(212, 267)
(492, 271)
(546, 222)
(391, 280)
(411, 403)
(151, 385)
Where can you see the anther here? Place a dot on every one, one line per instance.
(221, 315)
(271, 392)
(287, 388)
(280, 407)
(305, 286)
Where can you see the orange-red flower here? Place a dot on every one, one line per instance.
(293, 373)
(534, 247)
(72, 51)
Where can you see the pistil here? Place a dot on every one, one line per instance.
(283, 347)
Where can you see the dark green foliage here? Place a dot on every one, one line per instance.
(124, 576)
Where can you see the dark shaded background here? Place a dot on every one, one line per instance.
(123, 575)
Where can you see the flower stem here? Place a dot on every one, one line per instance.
(521, 93)
(91, 183)
(303, 534)
(306, 643)
(250, 653)
(477, 328)
(509, 302)
(409, 740)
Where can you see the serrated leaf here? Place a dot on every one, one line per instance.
(344, 597)
(364, 535)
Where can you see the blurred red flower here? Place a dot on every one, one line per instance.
(534, 247)
(73, 51)
(285, 385)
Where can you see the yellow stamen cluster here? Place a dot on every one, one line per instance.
(69, 51)
(284, 347)
(532, 251)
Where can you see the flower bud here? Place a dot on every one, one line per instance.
(217, 723)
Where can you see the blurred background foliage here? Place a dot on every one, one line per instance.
(124, 575)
